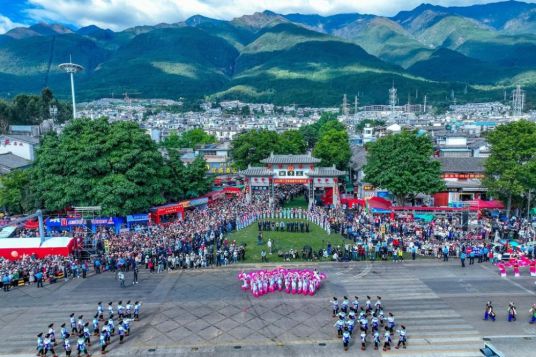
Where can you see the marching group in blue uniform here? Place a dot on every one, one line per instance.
(349, 314)
(80, 330)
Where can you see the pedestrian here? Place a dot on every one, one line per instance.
(67, 347)
(402, 337)
(386, 340)
(81, 345)
(462, 258)
(121, 277)
(346, 338)
(135, 281)
(339, 325)
(335, 306)
(488, 312)
(102, 341)
(137, 306)
(40, 345)
(512, 312)
(532, 312)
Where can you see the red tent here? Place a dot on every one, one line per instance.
(379, 203)
(481, 204)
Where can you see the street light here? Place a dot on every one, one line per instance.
(72, 68)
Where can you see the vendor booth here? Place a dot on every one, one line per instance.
(175, 211)
(16, 248)
(61, 224)
(167, 213)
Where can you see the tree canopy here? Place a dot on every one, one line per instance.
(15, 192)
(252, 146)
(403, 164)
(311, 132)
(372, 122)
(333, 148)
(188, 139)
(113, 165)
(511, 166)
(32, 109)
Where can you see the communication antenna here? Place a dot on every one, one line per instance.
(72, 68)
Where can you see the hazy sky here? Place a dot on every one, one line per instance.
(120, 14)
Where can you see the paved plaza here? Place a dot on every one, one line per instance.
(205, 313)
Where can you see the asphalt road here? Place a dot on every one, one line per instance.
(204, 312)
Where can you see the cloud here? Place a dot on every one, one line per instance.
(120, 14)
(6, 24)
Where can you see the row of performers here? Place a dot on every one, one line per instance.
(304, 282)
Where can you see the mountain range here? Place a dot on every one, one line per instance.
(475, 52)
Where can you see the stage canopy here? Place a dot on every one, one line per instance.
(15, 248)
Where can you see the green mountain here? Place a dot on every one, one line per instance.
(294, 58)
(170, 62)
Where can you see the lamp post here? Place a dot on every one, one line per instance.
(72, 68)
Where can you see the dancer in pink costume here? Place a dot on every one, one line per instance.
(295, 281)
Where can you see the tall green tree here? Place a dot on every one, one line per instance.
(333, 148)
(511, 166)
(252, 146)
(15, 192)
(197, 181)
(174, 174)
(403, 164)
(292, 142)
(311, 132)
(188, 139)
(92, 162)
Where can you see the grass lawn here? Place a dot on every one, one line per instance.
(298, 202)
(283, 241)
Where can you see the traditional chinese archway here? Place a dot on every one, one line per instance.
(292, 170)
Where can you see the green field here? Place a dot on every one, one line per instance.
(283, 241)
(298, 202)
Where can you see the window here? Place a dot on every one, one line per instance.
(299, 173)
(290, 173)
(282, 173)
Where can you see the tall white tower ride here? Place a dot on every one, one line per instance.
(72, 68)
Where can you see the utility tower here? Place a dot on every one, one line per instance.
(518, 101)
(392, 97)
(424, 109)
(72, 68)
(345, 106)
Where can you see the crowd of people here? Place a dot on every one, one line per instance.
(83, 330)
(349, 314)
(200, 240)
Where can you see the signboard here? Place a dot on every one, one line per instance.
(462, 176)
(196, 202)
(323, 182)
(138, 217)
(75, 222)
(260, 181)
(103, 221)
(368, 187)
(290, 181)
